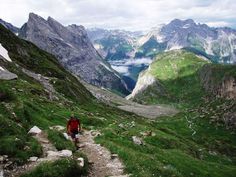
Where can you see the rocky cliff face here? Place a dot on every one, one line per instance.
(220, 85)
(114, 44)
(73, 49)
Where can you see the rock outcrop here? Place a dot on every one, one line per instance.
(73, 49)
(220, 84)
(146, 80)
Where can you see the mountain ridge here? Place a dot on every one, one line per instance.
(73, 49)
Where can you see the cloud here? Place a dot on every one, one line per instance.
(124, 66)
(218, 24)
(125, 14)
(121, 69)
(138, 61)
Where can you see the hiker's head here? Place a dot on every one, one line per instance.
(72, 115)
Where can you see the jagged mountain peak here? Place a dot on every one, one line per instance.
(77, 29)
(51, 19)
(216, 44)
(178, 24)
(77, 26)
(72, 47)
(35, 17)
(182, 22)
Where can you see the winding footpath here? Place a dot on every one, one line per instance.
(46, 146)
(103, 163)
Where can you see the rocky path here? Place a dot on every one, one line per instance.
(47, 146)
(103, 162)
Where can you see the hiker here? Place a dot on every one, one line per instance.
(73, 128)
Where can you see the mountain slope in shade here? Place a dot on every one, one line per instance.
(9, 26)
(73, 49)
(218, 44)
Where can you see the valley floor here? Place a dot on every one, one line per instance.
(148, 111)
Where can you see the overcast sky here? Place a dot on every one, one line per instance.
(122, 14)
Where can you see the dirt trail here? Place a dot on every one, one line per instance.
(103, 162)
(15, 171)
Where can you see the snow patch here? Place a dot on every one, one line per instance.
(4, 53)
(186, 26)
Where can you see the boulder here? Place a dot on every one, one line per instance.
(34, 130)
(62, 153)
(67, 136)
(53, 153)
(137, 140)
(80, 161)
(1, 159)
(65, 153)
(33, 159)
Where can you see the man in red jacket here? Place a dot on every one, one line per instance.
(73, 128)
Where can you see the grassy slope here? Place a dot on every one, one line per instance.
(176, 150)
(176, 72)
(173, 151)
(24, 103)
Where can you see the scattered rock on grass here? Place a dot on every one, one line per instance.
(66, 153)
(148, 133)
(80, 161)
(57, 127)
(62, 153)
(34, 130)
(137, 140)
(1, 159)
(67, 136)
(33, 159)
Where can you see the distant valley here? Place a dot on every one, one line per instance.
(121, 55)
(159, 103)
(215, 44)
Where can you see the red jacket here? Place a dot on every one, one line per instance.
(73, 124)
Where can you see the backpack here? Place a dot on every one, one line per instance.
(74, 124)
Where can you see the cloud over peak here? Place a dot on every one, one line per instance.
(130, 15)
